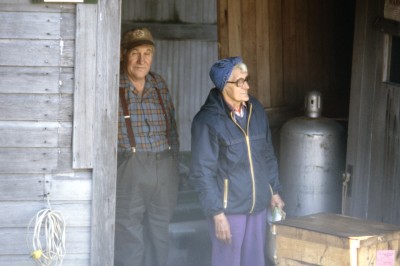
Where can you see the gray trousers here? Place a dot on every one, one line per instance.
(147, 189)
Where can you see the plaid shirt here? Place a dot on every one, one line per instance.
(147, 117)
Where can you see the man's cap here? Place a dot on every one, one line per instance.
(135, 37)
(222, 70)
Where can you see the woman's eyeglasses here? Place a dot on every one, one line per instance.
(240, 82)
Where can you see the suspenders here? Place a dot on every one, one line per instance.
(127, 116)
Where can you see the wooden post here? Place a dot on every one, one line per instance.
(105, 132)
(85, 86)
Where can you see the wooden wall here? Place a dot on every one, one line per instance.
(295, 46)
(37, 44)
(291, 47)
(373, 145)
(58, 125)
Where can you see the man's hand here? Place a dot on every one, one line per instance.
(222, 228)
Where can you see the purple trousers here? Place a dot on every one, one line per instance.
(248, 241)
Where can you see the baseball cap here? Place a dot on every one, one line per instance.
(135, 37)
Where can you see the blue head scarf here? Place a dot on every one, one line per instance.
(222, 69)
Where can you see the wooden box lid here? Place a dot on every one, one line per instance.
(339, 225)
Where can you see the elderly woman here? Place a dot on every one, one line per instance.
(233, 167)
(147, 178)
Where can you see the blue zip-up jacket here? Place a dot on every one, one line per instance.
(233, 169)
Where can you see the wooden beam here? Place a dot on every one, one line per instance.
(85, 82)
(249, 46)
(275, 85)
(363, 86)
(289, 52)
(105, 132)
(387, 26)
(223, 33)
(263, 42)
(170, 31)
(234, 28)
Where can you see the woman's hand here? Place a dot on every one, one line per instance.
(222, 228)
(276, 201)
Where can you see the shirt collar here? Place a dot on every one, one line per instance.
(127, 84)
(241, 110)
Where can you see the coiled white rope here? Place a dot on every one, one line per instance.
(53, 250)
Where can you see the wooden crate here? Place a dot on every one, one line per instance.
(336, 240)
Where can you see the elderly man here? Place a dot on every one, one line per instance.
(233, 167)
(147, 178)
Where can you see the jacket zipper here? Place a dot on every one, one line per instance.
(249, 154)
(226, 186)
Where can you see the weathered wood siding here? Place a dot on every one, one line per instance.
(291, 47)
(85, 86)
(373, 145)
(105, 132)
(185, 33)
(37, 44)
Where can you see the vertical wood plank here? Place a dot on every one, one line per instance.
(302, 56)
(248, 44)
(362, 101)
(391, 157)
(276, 53)
(289, 52)
(105, 132)
(383, 149)
(263, 79)
(329, 80)
(341, 42)
(315, 28)
(84, 91)
(234, 28)
(223, 33)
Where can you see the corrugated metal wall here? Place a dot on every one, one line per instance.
(185, 65)
(184, 61)
(186, 11)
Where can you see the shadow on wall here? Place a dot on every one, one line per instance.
(190, 243)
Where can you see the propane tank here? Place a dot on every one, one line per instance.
(311, 160)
